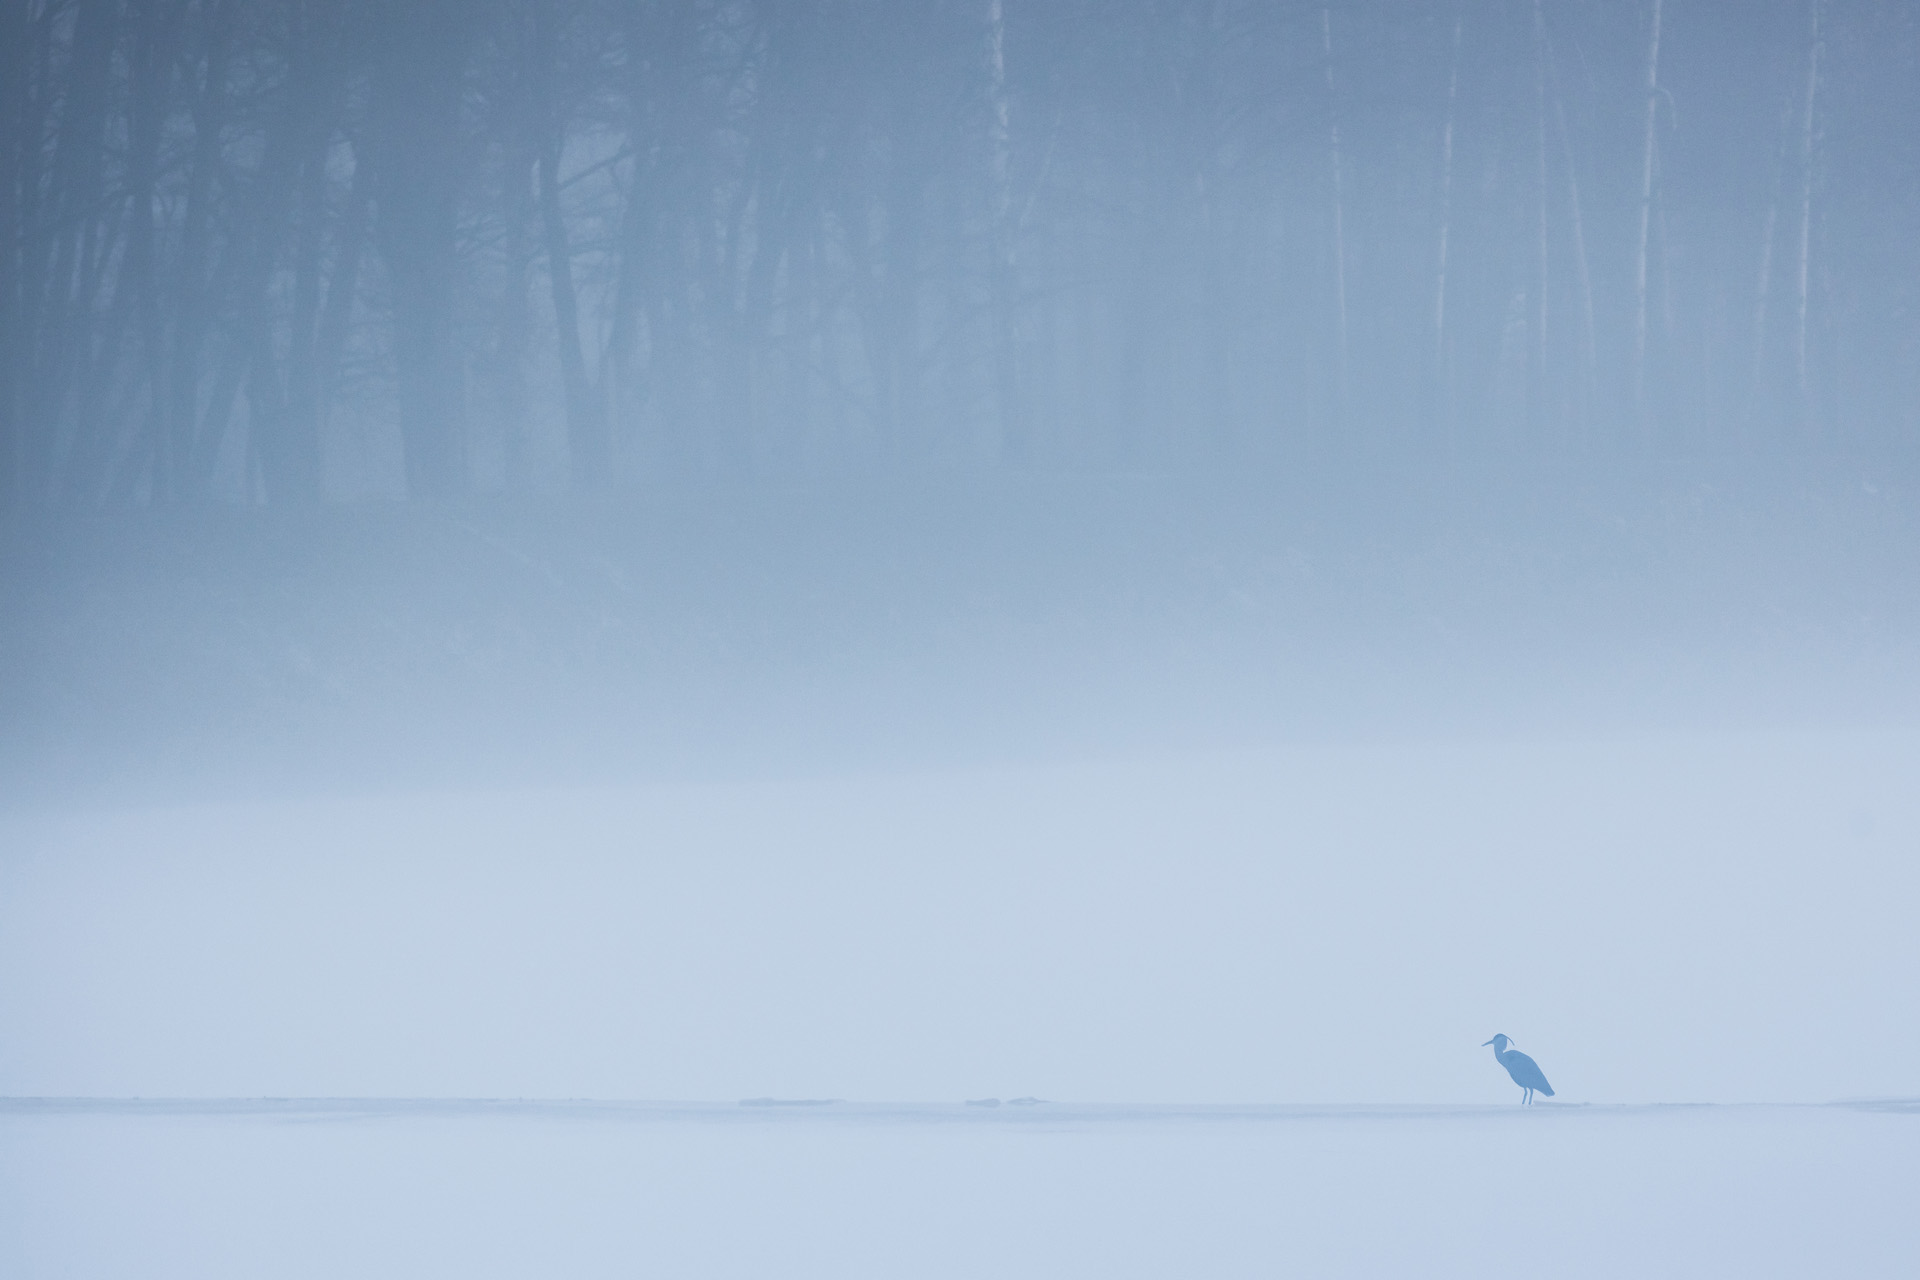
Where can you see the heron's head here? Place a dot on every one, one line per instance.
(1498, 1042)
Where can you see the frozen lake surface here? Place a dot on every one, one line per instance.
(373, 1189)
(1720, 919)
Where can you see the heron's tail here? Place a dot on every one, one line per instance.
(1546, 1088)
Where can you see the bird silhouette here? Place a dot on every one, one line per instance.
(1525, 1071)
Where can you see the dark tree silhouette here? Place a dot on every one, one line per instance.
(287, 250)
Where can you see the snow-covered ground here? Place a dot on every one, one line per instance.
(1662, 919)
(590, 1190)
(1704, 919)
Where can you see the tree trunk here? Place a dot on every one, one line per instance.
(343, 286)
(1339, 223)
(419, 78)
(63, 324)
(174, 470)
(1439, 382)
(1763, 284)
(153, 66)
(587, 443)
(96, 433)
(1583, 269)
(32, 97)
(1537, 397)
(513, 341)
(290, 455)
(1641, 245)
(14, 37)
(1802, 383)
(901, 288)
(1014, 443)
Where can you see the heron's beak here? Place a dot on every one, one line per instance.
(1485, 1043)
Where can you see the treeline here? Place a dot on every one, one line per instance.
(291, 250)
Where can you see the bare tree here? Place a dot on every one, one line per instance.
(1769, 236)
(1651, 110)
(1337, 165)
(1583, 269)
(1802, 386)
(241, 237)
(588, 443)
(1537, 349)
(1439, 374)
(15, 35)
(1004, 287)
(420, 66)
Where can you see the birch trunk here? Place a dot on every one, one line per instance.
(1537, 355)
(1640, 298)
(514, 339)
(13, 115)
(1583, 267)
(587, 441)
(1769, 233)
(1802, 268)
(1339, 223)
(1440, 381)
(1014, 444)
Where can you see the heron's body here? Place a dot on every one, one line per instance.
(1525, 1071)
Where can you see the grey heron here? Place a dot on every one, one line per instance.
(1525, 1071)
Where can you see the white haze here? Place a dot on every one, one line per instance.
(1665, 917)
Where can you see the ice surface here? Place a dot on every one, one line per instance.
(1715, 919)
(220, 1190)
(1663, 919)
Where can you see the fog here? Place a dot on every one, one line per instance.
(1678, 918)
(836, 638)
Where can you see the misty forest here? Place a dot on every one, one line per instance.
(945, 638)
(288, 251)
(642, 345)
